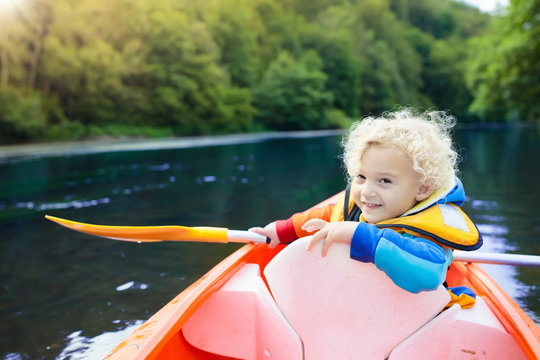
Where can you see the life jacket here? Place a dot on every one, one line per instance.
(443, 223)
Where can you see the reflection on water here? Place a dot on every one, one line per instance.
(76, 204)
(62, 292)
(496, 240)
(501, 178)
(81, 347)
(132, 285)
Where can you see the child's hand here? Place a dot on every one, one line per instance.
(329, 233)
(269, 231)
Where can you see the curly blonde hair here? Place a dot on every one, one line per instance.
(424, 137)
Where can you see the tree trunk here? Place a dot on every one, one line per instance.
(38, 23)
(4, 74)
(36, 53)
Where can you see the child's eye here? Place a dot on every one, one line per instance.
(386, 181)
(361, 177)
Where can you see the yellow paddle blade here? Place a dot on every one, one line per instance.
(147, 233)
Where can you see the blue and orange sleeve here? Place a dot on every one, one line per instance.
(414, 264)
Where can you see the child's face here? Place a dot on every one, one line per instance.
(387, 185)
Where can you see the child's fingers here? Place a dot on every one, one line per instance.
(268, 233)
(314, 225)
(258, 230)
(321, 235)
(273, 244)
(326, 245)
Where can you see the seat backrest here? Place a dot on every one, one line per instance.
(343, 308)
(242, 321)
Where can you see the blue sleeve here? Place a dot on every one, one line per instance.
(414, 264)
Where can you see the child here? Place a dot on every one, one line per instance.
(401, 207)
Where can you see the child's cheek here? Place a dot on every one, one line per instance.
(356, 196)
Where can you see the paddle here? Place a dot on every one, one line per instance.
(497, 258)
(224, 235)
(163, 233)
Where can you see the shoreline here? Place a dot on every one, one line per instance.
(122, 143)
(70, 148)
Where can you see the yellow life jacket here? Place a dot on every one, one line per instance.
(445, 224)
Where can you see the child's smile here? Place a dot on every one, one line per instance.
(387, 186)
(370, 205)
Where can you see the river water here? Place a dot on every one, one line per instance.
(65, 295)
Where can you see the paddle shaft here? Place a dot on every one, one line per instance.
(497, 258)
(224, 235)
(466, 256)
(242, 236)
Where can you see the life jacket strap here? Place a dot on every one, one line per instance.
(354, 215)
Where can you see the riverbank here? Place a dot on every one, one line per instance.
(126, 143)
(12, 152)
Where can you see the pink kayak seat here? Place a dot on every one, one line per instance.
(478, 334)
(431, 341)
(460, 334)
(242, 321)
(343, 308)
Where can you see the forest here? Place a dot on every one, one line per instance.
(77, 69)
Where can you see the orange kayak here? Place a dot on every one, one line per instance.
(288, 303)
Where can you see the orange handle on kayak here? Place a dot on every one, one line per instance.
(162, 233)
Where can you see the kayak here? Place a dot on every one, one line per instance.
(289, 303)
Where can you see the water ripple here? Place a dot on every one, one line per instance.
(491, 229)
(132, 285)
(82, 347)
(484, 205)
(57, 205)
(162, 167)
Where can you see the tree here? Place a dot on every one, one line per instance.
(444, 78)
(192, 67)
(234, 25)
(520, 59)
(392, 67)
(291, 95)
(21, 117)
(505, 77)
(187, 89)
(335, 44)
(88, 60)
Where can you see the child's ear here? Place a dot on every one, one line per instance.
(424, 191)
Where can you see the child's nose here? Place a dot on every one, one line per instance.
(368, 189)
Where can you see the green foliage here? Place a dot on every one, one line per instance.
(506, 77)
(187, 88)
(335, 44)
(233, 25)
(21, 117)
(66, 130)
(71, 70)
(291, 95)
(444, 80)
(344, 71)
(130, 131)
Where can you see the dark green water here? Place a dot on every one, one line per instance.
(68, 295)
